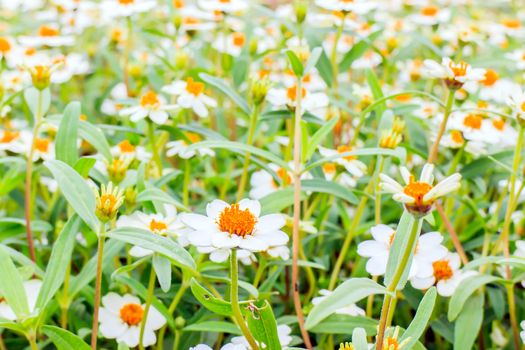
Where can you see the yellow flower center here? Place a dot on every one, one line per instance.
(491, 77)
(417, 190)
(291, 92)
(108, 201)
(499, 124)
(47, 31)
(157, 226)
(238, 39)
(131, 314)
(346, 346)
(430, 11)
(236, 221)
(149, 99)
(512, 23)
(193, 87)
(42, 145)
(442, 270)
(473, 121)
(390, 344)
(5, 46)
(9, 136)
(344, 149)
(459, 69)
(329, 168)
(126, 2)
(178, 4)
(522, 107)
(456, 136)
(30, 51)
(126, 147)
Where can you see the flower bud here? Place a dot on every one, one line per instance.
(390, 139)
(108, 201)
(258, 90)
(181, 59)
(300, 10)
(118, 168)
(253, 46)
(40, 76)
(180, 322)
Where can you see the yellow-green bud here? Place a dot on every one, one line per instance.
(258, 90)
(41, 76)
(300, 9)
(108, 200)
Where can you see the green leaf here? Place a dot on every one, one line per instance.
(375, 87)
(357, 51)
(344, 324)
(12, 287)
(76, 191)
(313, 59)
(359, 339)
(345, 294)
(157, 195)
(59, 261)
(319, 136)
(12, 326)
(230, 145)
(325, 69)
(420, 321)
(295, 62)
(34, 97)
(209, 301)
(95, 137)
(84, 165)
(213, 326)
(64, 340)
(219, 84)
(162, 268)
(464, 291)
(329, 187)
(262, 324)
(147, 240)
(278, 200)
(468, 323)
(66, 139)
(122, 346)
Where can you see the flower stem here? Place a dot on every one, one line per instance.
(98, 285)
(448, 108)
(154, 149)
(186, 184)
(381, 162)
(249, 142)
(32, 342)
(180, 293)
(149, 298)
(28, 209)
(392, 287)
(296, 239)
(234, 298)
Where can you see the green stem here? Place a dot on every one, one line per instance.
(448, 108)
(392, 286)
(149, 298)
(234, 290)
(249, 142)
(381, 162)
(186, 183)
(180, 293)
(154, 149)
(98, 285)
(32, 342)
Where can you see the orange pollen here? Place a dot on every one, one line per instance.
(291, 92)
(391, 344)
(48, 31)
(429, 11)
(442, 270)
(30, 51)
(126, 2)
(5, 46)
(193, 137)
(329, 168)
(108, 200)
(284, 176)
(473, 121)
(498, 124)
(417, 190)
(150, 99)
(157, 226)
(512, 23)
(456, 136)
(42, 145)
(9, 136)
(132, 314)
(238, 39)
(459, 69)
(236, 221)
(126, 147)
(391, 239)
(344, 149)
(490, 77)
(193, 87)
(225, 1)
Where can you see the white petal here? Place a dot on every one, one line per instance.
(214, 208)
(252, 205)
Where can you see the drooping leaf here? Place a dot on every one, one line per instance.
(359, 339)
(11, 286)
(464, 291)
(209, 301)
(420, 321)
(63, 339)
(262, 324)
(295, 62)
(162, 268)
(221, 85)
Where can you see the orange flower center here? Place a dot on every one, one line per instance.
(225, 1)
(9, 136)
(126, 147)
(417, 190)
(48, 31)
(157, 226)
(238, 39)
(5, 46)
(193, 87)
(429, 11)
(512, 23)
(522, 107)
(192, 137)
(42, 145)
(499, 124)
(456, 136)
(178, 4)
(236, 221)
(473, 121)
(126, 2)
(191, 20)
(344, 149)
(109, 201)
(391, 344)
(291, 92)
(329, 168)
(30, 51)
(442, 270)
(150, 99)
(132, 314)
(284, 176)
(459, 69)
(490, 77)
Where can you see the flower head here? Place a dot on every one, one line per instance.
(454, 74)
(108, 201)
(418, 196)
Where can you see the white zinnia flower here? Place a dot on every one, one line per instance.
(151, 105)
(454, 74)
(190, 95)
(351, 309)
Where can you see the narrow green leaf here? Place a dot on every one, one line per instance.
(344, 324)
(64, 340)
(419, 323)
(319, 136)
(219, 84)
(468, 323)
(323, 186)
(162, 268)
(38, 101)
(295, 62)
(95, 137)
(209, 301)
(464, 291)
(345, 294)
(84, 165)
(375, 87)
(162, 245)
(76, 191)
(66, 139)
(213, 326)
(325, 69)
(357, 51)
(59, 261)
(11, 286)
(262, 324)
(154, 194)
(313, 59)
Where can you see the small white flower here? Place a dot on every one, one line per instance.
(13, 141)
(47, 36)
(431, 15)
(227, 6)
(232, 44)
(151, 105)
(454, 74)
(236, 226)
(360, 7)
(314, 102)
(351, 309)
(121, 317)
(180, 147)
(354, 166)
(126, 8)
(190, 95)
(240, 343)
(126, 150)
(31, 288)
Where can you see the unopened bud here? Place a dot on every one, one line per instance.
(258, 90)
(41, 76)
(108, 200)
(300, 9)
